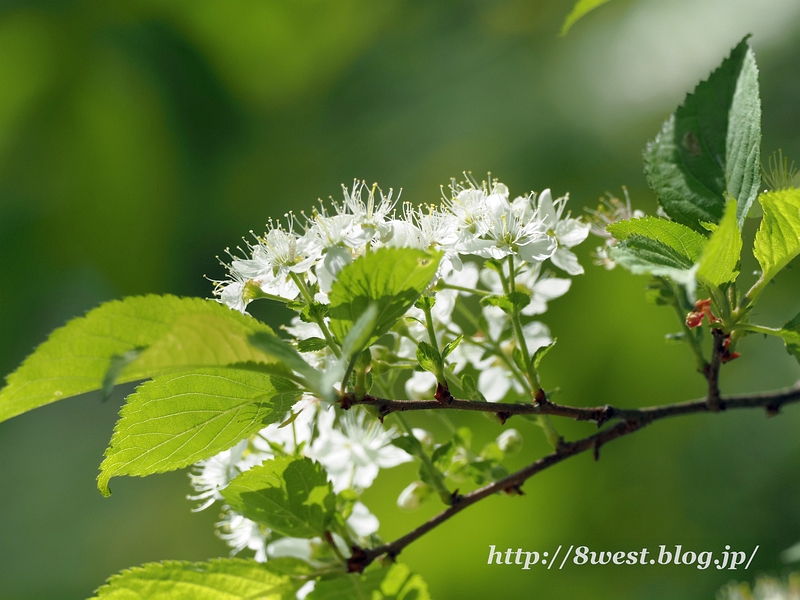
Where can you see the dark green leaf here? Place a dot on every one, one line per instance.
(177, 419)
(291, 496)
(709, 149)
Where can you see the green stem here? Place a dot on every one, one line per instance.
(317, 319)
(448, 286)
(758, 329)
(426, 307)
(533, 376)
(691, 338)
(436, 476)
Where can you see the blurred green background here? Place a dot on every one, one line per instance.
(139, 140)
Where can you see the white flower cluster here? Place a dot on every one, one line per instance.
(482, 234)
(352, 452)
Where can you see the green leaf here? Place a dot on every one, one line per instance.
(312, 344)
(392, 278)
(291, 496)
(791, 337)
(709, 150)
(388, 583)
(429, 358)
(541, 353)
(642, 255)
(219, 579)
(360, 333)
(91, 352)
(683, 240)
(581, 8)
(177, 419)
(450, 346)
(778, 237)
(720, 261)
(282, 351)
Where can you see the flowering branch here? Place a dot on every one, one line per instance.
(631, 420)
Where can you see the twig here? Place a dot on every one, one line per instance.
(632, 420)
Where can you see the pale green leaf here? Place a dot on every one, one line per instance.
(428, 358)
(391, 278)
(685, 241)
(219, 579)
(641, 255)
(84, 354)
(720, 261)
(778, 237)
(291, 496)
(581, 9)
(177, 419)
(394, 582)
(282, 351)
(709, 150)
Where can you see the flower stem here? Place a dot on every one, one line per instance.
(317, 319)
(533, 376)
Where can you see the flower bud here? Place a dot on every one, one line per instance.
(510, 441)
(414, 495)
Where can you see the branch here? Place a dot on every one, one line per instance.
(632, 420)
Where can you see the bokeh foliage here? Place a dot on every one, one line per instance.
(139, 140)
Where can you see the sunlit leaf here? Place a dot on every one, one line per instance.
(77, 357)
(177, 419)
(220, 579)
(720, 261)
(581, 9)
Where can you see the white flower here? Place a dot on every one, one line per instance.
(420, 386)
(240, 533)
(214, 474)
(354, 455)
(568, 232)
(362, 522)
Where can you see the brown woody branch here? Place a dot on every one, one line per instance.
(630, 420)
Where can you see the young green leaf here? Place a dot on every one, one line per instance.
(778, 237)
(709, 150)
(79, 356)
(450, 346)
(219, 579)
(720, 260)
(428, 358)
(395, 582)
(541, 353)
(177, 419)
(391, 278)
(685, 241)
(290, 495)
(581, 8)
(312, 344)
